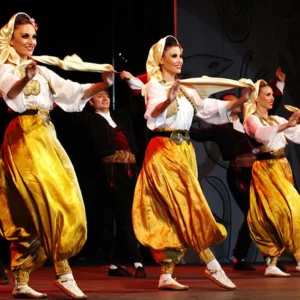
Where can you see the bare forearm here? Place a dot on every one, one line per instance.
(95, 89)
(160, 108)
(235, 103)
(283, 127)
(17, 88)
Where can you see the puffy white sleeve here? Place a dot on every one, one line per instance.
(210, 110)
(238, 126)
(7, 80)
(292, 133)
(135, 83)
(68, 94)
(154, 94)
(263, 134)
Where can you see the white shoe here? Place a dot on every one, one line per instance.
(220, 278)
(171, 284)
(273, 271)
(25, 291)
(298, 268)
(69, 286)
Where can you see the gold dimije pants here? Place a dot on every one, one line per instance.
(42, 212)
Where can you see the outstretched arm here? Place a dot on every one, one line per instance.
(239, 101)
(108, 80)
(135, 83)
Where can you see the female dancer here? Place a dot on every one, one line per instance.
(42, 212)
(170, 212)
(274, 215)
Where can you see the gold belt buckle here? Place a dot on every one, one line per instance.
(178, 137)
(278, 153)
(187, 137)
(44, 116)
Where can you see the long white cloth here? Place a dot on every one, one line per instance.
(69, 63)
(206, 86)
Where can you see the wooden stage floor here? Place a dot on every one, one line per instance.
(94, 281)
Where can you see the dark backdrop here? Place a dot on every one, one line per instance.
(115, 32)
(231, 39)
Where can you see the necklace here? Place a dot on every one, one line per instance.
(269, 120)
(174, 106)
(33, 87)
(182, 92)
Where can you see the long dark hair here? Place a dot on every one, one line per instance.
(171, 42)
(21, 19)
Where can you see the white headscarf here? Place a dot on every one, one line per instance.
(154, 57)
(250, 105)
(7, 52)
(10, 56)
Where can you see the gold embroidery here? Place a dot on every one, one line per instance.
(120, 156)
(278, 153)
(42, 112)
(33, 87)
(173, 108)
(189, 98)
(269, 120)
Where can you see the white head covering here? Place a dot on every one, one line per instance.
(250, 105)
(154, 57)
(9, 55)
(7, 52)
(204, 85)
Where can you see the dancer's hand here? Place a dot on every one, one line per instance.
(173, 93)
(294, 119)
(30, 70)
(108, 77)
(125, 75)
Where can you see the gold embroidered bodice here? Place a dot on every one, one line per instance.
(264, 121)
(33, 87)
(173, 108)
(269, 120)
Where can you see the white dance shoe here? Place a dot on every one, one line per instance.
(273, 271)
(26, 292)
(70, 287)
(171, 284)
(220, 278)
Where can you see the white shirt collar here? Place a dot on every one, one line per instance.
(108, 118)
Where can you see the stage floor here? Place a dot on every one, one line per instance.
(94, 281)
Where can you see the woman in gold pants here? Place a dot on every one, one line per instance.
(42, 212)
(170, 212)
(274, 215)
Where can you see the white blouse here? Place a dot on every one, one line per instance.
(135, 83)
(269, 135)
(108, 118)
(68, 94)
(238, 126)
(210, 110)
